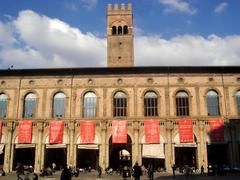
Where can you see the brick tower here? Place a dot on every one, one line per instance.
(120, 36)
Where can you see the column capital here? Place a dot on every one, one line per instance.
(71, 125)
(10, 126)
(40, 126)
(136, 125)
(169, 125)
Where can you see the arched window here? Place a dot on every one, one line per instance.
(114, 30)
(125, 30)
(213, 103)
(238, 102)
(29, 105)
(150, 104)
(89, 105)
(59, 103)
(119, 30)
(3, 105)
(120, 104)
(182, 103)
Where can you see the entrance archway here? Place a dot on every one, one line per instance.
(120, 154)
(185, 153)
(55, 153)
(24, 153)
(153, 153)
(217, 152)
(88, 154)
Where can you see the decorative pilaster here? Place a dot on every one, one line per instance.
(8, 148)
(38, 163)
(169, 149)
(71, 128)
(135, 154)
(202, 147)
(103, 162)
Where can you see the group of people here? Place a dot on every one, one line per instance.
(67, 173)
(24, 173)
(137, 172)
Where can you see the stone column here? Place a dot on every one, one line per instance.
(71, 159)
(103, 160)
(202, 148)
(38, 152)
(135, 153)
(8, 148)
(169, 149)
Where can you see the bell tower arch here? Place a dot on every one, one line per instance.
(120, 36)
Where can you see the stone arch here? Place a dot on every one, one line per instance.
(114, 30)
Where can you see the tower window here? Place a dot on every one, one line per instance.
(119, 30)
(114, 30)
(125, 30)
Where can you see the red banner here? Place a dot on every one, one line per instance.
(151, 128)
(0, 131)
(185, 130)
(119, 131)
(87, 131)
(56, 132)
(25, 131)
(216, 130)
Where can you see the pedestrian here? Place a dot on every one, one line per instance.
(202, 170)
(150, 172)
(66, 174)
(173, 170)
(54, 166)
(126, 172)
(99, 169)
(35, 176)
(19, 171)
(137, 171)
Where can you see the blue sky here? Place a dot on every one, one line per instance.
(65, 33)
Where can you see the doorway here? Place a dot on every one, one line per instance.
(185, 156)
(55, 155)
(87, 158)
(217, 154)
(116, 157)
(24, 156)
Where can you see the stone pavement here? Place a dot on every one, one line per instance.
(158, 176)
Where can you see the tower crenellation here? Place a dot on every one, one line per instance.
(120, 35)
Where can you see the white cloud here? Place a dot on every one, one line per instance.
(6, 38)
(36, 41)
(221, 7)
(187, 50)
(46, 42)
(77, 4)
(178, 6)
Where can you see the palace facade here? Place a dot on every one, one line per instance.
(207, 97)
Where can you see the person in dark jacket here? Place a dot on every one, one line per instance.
(66, 174)
(137, 171)
(150, 172)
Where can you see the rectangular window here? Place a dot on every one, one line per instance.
(150, 107)
(59, 107)
(182, 106)
(3, 108)
(89, 107)
(120, 107)
(213, 109)
(29, 108)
